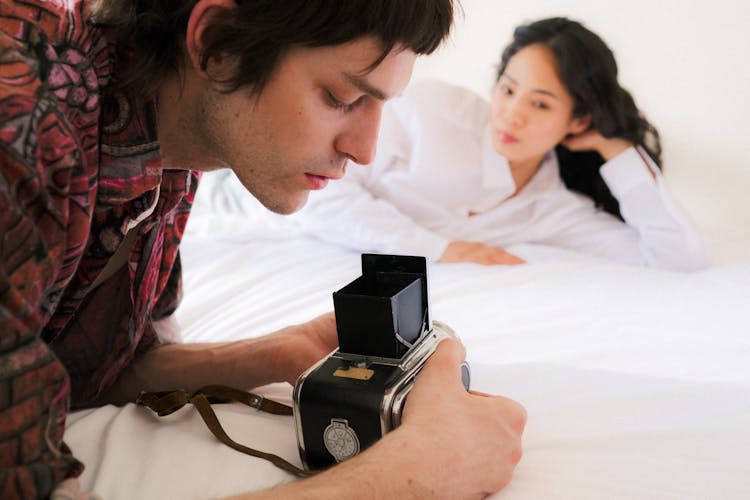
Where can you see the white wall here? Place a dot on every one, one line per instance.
(686, 62)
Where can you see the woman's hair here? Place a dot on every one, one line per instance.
(587, 68)
(257, 33)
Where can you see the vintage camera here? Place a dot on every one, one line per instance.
(350, 399)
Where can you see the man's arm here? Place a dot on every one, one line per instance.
(248, 363)
(452, 444)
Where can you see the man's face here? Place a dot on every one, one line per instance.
(318, 110)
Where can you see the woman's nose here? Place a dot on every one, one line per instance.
(513, 114)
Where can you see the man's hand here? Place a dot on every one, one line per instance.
(470, 442)
(70, 489)
(305, 344)
(451, 444)
(479, 253)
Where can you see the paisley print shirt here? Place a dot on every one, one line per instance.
(80, 166)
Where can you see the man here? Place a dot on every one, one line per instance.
(108, 112)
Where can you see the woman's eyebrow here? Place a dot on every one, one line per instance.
(546, 92)
(536, 91)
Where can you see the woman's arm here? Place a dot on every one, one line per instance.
(351, 213)
(667, 237)
(347, 213)
(429, 172)
(661, 234)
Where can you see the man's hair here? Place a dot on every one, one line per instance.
(257, 33)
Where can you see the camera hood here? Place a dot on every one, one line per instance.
(385, 311)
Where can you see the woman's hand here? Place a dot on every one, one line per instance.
(592, 140)
(479, 253)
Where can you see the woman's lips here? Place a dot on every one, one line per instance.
(506, 138)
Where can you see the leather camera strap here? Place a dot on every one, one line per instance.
(166, 402)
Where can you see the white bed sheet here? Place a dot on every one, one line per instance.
(636, 381)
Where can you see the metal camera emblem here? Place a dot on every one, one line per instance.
(355, 395)
(341, 441)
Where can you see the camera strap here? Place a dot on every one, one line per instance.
(166, 402)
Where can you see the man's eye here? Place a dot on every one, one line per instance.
(335, 103)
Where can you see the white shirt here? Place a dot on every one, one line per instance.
(436, 178)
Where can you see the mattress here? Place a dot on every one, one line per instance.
(636, 381)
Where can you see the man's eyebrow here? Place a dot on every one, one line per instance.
(365, 87)
(538, 91)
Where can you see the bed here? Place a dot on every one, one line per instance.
(636, 381)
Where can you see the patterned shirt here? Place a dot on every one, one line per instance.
(80, 166)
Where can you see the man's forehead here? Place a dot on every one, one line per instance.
(366, 87)
(381, 75)
(360, 64)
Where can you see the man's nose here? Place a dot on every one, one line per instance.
(359, 140)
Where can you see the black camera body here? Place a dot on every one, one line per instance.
(354, 396)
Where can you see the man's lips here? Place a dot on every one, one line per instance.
(317, 182)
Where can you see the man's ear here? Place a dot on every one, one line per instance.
(198, 23)
(579, 124)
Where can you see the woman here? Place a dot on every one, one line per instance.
(561, 157)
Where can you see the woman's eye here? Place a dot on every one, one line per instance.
(506, 90)
(540, 105)
(335, 103)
